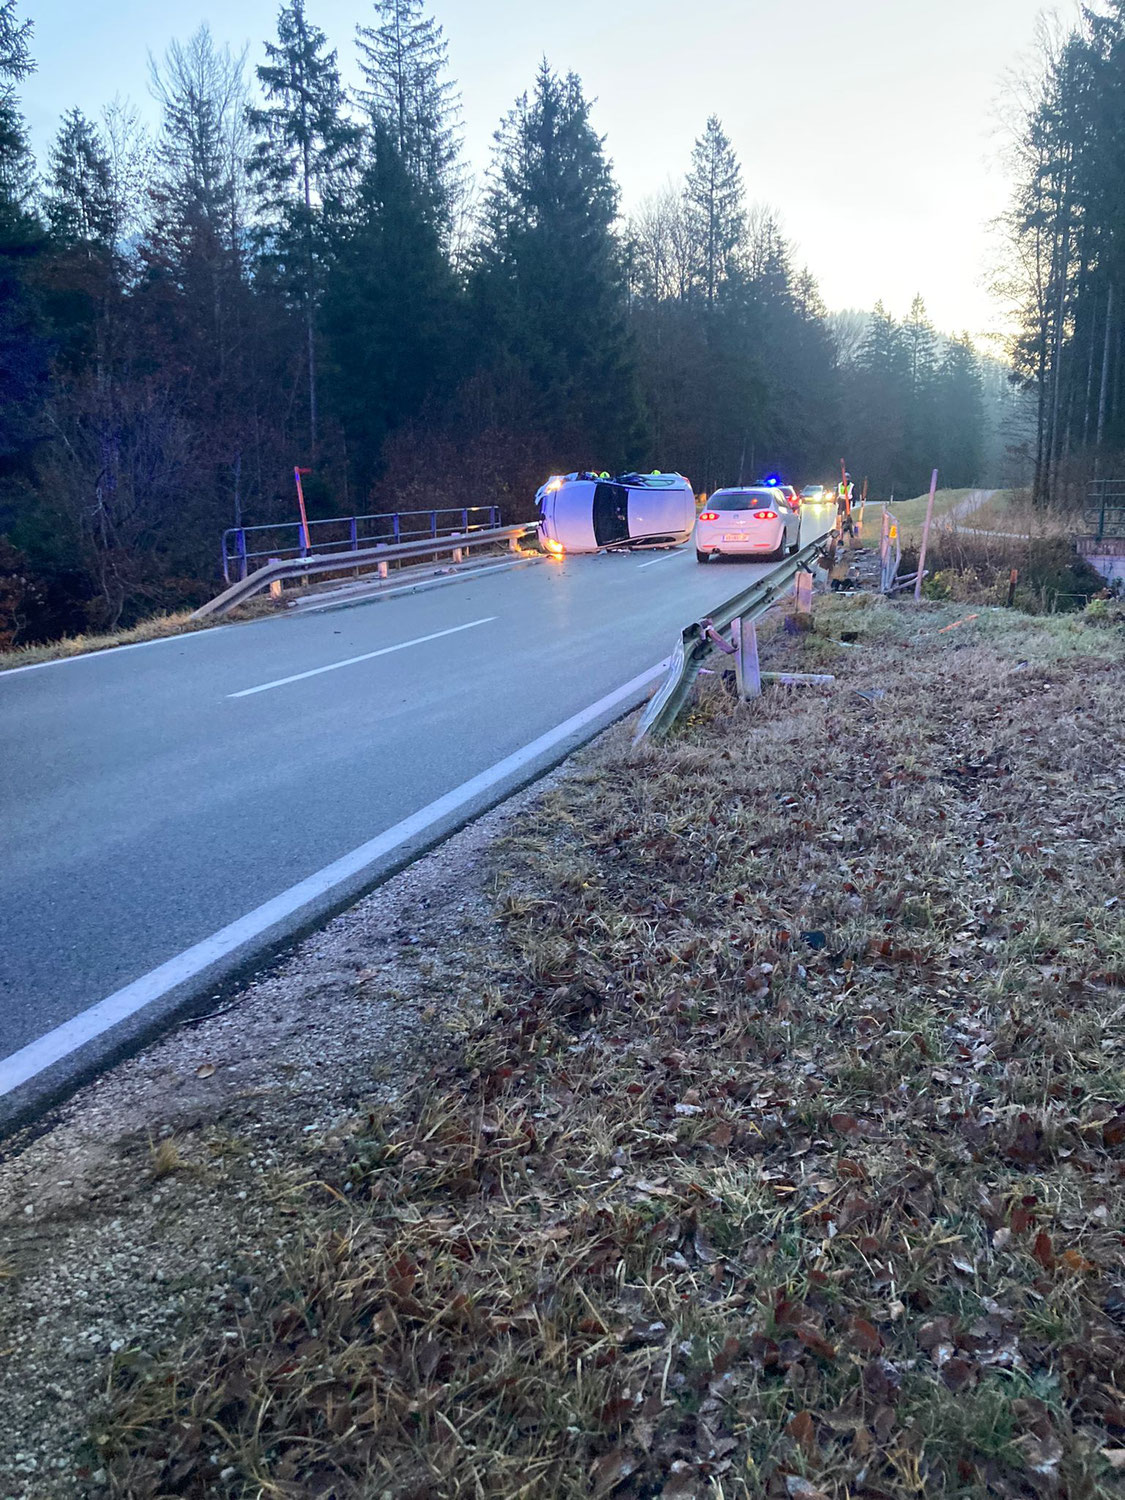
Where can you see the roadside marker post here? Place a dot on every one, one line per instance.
(747, 671)
(925, 537)
(301, 506)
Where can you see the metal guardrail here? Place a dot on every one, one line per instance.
(352, 534)
(346, 562)
(698, 639)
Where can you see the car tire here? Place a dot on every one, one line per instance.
(702, 556)
(794, 547)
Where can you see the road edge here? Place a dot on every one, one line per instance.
(47, 1071)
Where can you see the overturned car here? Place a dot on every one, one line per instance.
(586, 512)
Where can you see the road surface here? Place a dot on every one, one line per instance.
(149, 797)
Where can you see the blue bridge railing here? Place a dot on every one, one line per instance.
(246, 548)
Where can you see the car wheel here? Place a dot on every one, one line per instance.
(794, 547)
(701, 556)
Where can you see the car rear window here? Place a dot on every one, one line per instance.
(741, 500)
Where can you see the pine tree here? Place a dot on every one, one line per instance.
(23, 347)
(388, 308)
(200, 194)
(404, 59)
(17, 169)
(80, 199)
(551, 278)
(958, 408)
(713, 200)
(919, 344)
(302, 164)
(879, 396)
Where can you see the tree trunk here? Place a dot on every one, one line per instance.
(1103, 393)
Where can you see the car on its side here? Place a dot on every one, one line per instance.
(588, 512)
(751, 522)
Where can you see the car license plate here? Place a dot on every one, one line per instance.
(734, 536)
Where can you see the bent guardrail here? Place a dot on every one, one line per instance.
(698, 640)
(351, 562)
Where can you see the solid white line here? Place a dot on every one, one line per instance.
(66, 1039)
(656, 560)
(104, 651)
(350, 661)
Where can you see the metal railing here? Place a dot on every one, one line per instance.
(379, 556)
(241, 554)
(699, 639)
(1105, 509)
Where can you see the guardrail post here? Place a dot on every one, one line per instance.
(747, 670)
(353, 531)
(458, 555)
(802, 602)
(275, 583)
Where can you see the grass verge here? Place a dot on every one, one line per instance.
(910, 513)
(784, 1153)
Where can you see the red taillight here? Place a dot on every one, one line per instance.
(765, 515)
(708, 515)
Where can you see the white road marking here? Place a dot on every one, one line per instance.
(63, 661)
(656, 560)
(350, 661)
(51, 1048)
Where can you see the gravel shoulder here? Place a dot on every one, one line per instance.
(132, 1212)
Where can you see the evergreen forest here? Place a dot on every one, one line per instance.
(287, 271)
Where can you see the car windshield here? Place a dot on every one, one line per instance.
(741, 500)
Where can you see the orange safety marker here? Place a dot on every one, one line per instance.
(963, 621)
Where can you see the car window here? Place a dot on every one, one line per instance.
(741, 500)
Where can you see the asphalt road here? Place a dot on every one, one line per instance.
(149, 797)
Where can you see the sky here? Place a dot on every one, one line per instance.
(871, 126)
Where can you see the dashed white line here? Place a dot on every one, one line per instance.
(350, 661)
(656, 560)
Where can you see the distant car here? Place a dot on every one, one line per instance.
(816, 494)
(754, 522)
(586, 512)
(773, 482)
(792, 499)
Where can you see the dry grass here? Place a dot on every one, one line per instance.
(782, 1157)
(910, 513)
(154, 629)
(1012, 511)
